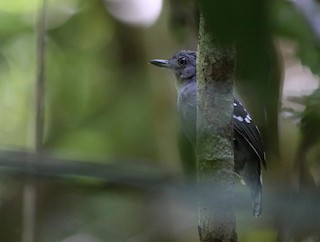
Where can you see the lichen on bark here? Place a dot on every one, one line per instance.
(215, 162)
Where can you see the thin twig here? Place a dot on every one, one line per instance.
(40, 92)
(29, 191)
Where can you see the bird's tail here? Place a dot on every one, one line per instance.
(256, 195)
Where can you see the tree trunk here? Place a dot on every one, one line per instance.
(215, 162)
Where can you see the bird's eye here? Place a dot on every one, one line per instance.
(182, 61)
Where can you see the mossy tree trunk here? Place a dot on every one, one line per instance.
(215, 161)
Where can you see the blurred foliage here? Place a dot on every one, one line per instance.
(184, 19)
(104, 103)
(311, 118)
(290, 23)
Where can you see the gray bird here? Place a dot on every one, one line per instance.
(249, 153)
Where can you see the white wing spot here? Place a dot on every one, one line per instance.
(248, 119)
(239, 118)
(235, 104)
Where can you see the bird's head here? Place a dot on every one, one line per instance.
(183, 65)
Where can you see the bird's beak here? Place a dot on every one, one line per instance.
(160, 63)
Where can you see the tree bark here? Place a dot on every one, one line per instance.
(215, 161)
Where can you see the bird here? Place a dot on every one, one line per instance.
(249, 154)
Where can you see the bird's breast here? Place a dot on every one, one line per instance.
(187, 107)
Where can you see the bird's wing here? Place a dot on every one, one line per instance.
(243, 124)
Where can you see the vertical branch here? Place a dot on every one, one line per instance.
(215, 68)
(28, 212)
(29, 190)
(39, 104)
